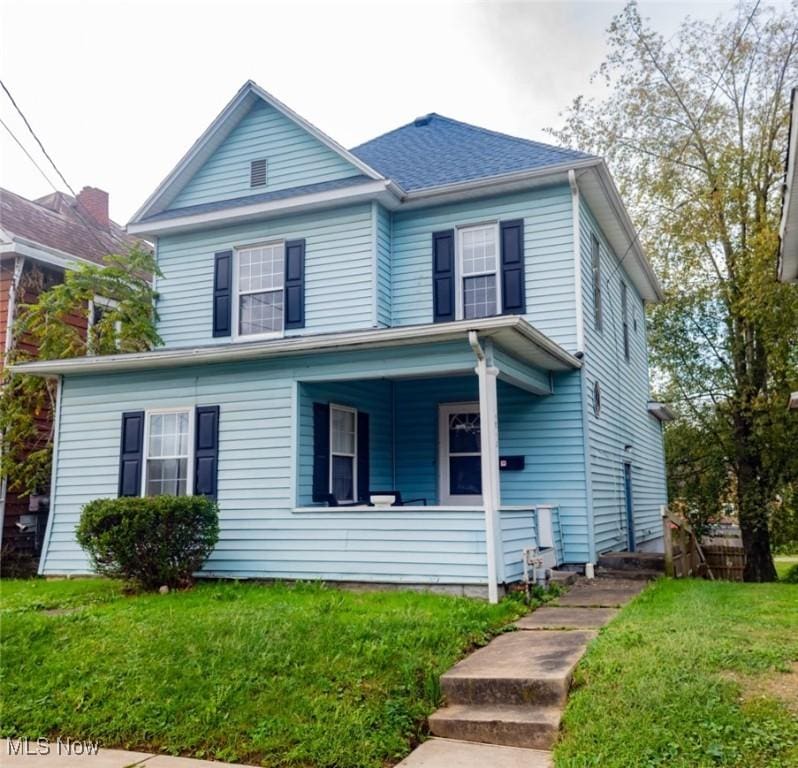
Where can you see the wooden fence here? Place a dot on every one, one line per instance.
(686, 556)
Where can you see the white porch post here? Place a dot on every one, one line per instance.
(489, 449)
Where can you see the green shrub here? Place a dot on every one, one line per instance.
(791, 577)
(152, 541)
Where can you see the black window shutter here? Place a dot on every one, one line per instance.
(295, 284)
(443, 276)
(222, 293)
(206, 450)
(512, 248)
(362, 456)
(321, 451)
(131, 451)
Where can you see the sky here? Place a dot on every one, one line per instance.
(118, 90)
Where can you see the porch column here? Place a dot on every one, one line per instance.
(489, 449)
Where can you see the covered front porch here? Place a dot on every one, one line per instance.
(442, 459)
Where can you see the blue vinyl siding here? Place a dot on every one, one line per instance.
(338, 272)
(294, 158)
(624, 418)
(265, 422)
(548, 250)
(383, 277)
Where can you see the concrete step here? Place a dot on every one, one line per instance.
(646, 574)
(448, 753)
(556, 617)
(510, 726)
(518, 668)
(563, 578)
(601, 593)
(633, 561)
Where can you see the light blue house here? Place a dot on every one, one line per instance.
(445, 317)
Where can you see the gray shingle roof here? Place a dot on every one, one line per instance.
(436, 150)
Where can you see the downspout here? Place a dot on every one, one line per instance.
(580, 329)
(489, 451)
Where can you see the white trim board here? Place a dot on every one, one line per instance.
(511, 332)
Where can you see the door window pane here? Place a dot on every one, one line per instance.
(464, 433)
(465, 476)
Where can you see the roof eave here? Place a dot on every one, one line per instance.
(505, 330)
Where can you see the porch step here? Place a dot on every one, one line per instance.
(563, 578)
(510, 726)
(450, 753)
(632, 561)
(518, 668)
(618, 573)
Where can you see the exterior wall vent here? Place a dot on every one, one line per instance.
(257, 173)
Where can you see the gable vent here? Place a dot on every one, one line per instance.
(257, 173)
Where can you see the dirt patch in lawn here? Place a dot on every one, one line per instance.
(782, 686)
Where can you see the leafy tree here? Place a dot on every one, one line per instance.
(695, 130)
(54, 327)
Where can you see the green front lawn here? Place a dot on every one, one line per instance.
(784, 563)
(276, 675)
(691, 674)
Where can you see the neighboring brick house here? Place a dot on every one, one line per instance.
(39, 240)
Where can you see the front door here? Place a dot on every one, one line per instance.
(459, 454)
(630, 518)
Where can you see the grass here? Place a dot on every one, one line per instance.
(784, 563)
(691, 674)
(277, 675)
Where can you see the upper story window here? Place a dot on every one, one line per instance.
(625, 320)
(595, 261)
(343, 452)
(479, 294)
(167, 454)
(99, 306)
(260, 273)
(258, 173)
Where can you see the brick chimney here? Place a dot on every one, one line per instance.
(94, 203)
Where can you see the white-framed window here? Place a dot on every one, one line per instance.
(259, 278)
(343, 453)
(479, 294)
(168, 451)
(98, 306)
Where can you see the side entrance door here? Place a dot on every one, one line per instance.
(630, 518)
(459, 454)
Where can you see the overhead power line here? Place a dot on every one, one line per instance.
(28, 154)
(38, 140)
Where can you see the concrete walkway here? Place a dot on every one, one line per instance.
(16, 753)
(505, 701)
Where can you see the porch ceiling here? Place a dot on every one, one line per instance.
(512, 333)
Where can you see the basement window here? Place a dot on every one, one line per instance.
(257, 173)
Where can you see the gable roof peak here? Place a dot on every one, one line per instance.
(219, 130)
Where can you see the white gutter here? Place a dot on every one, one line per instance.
(513, 327)
(561, 169)
(580, 323)
(489, 450)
